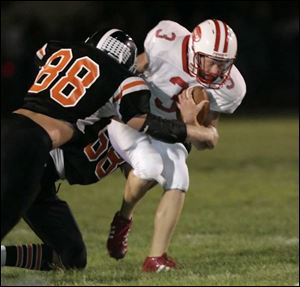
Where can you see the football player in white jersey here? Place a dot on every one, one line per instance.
(175, 59)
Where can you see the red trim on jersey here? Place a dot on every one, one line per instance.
(218, 35)
(128, 86)
(184, 54)
(226, 38)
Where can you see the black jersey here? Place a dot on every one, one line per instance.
(89, 164)
(74, 81)
(85, 164)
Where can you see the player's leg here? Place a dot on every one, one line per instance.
(58, 229)
(146, 162)
(55, 252)
(165, 221)
(51, 219)
(136, 149)
(135, 189)
(24, 150)
(170, 206)
(167, 214)
(28, 256)
(121, 224)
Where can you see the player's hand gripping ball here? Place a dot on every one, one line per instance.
(189, 112)
(199, 94)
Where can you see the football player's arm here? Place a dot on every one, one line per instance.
(189, 111)
(211, 123)
(142, 62)
(135, 111)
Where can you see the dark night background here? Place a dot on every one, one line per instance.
(267, 32)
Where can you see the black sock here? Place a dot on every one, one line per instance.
(31, 256)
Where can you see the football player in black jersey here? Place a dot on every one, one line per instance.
(51, 218)
(74, 82)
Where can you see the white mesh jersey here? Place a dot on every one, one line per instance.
(166, 46)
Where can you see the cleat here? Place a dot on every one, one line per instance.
(118, 236)
(158, 264)
(170, 260)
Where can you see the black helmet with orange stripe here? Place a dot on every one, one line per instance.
(116, 44)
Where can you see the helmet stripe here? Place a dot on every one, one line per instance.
(184, 53)
(218, 35)
(226, 38)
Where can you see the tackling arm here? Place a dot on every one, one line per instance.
(135, 111)
(172, 131)
(142, 62)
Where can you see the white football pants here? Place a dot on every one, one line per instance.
(151, 159)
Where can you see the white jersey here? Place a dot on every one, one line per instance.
(166, 46)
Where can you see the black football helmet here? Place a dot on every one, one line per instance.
(116, 44)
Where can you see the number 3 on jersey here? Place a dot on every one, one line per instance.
(169, 37)
(72, 78)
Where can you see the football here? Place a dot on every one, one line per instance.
(199, 94)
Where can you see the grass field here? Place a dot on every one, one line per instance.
(239, 227)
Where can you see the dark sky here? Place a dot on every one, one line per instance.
(267, 32)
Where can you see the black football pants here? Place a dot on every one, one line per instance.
(52, 221)
(25, 149)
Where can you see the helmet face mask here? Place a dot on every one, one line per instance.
(117, 45)
(210, 72)
(211, 53)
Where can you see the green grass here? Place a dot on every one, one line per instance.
(239, 226)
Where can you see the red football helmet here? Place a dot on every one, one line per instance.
(212, 50)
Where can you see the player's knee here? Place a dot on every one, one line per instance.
(179, 179)
(182, 185)
(75, 257)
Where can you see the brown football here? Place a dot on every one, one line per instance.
(199, 94)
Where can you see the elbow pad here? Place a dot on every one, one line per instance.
(170, 131)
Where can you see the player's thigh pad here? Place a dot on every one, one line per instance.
(136, 149)
(175, 169)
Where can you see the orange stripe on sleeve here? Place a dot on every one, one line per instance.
(128, 86)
